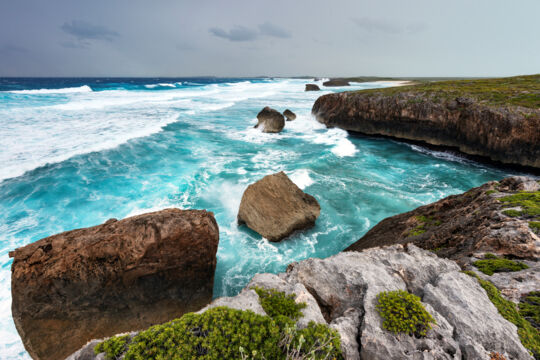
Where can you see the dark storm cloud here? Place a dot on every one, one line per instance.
(270, 29)
(242, 33)
(84, 31)
(237, 33)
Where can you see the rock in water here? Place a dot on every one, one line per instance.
(312, 87)
(119, 276)
(272, 121)
(275, 207)
(289, 115)
(336, 82)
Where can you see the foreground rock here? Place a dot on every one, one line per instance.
(115, 277)
(289, 115)
(312, 87)
(459, 226)
(460, 114)
(336, 82)
(342, 291)
(270, 120)
(275, 207)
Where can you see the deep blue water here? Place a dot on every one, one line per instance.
(76, 152)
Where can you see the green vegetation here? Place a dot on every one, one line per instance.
(511, 91)
(225, 333)
(424, 223)
(529, 336)
(529, 308)
(535, 226)
(492, 264)
(512, 213)
(489, 192)
(529, 202)
(403, 312)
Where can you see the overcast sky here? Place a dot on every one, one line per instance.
(275, 38)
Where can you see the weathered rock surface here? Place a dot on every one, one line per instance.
(502, 134)
(312, 87)
(289, 115)
(336, 82)
(270, 120)
(275, 207)
(459, 226)
(119, 276)
(341, 291)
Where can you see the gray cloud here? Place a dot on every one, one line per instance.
(376, 25)
(10, 49)
(242, 33)
(270, 29)
(237, 33)
(84, 31)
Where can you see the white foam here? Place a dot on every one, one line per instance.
(80, 89)
(153, 86)
(301, 178)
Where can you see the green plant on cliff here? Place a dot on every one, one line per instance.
(225, 333)
(535, 226)
(529, 202)
(424, 223)
(113, 347)
(529, 336)
(492, 264)
(529, 308)
(403, 312)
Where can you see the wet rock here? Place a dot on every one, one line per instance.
(270, 120)
(119, 276)
(275, 207)
(312, 87)
(289, 115)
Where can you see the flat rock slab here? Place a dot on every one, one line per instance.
(119, 276)
(275, 207)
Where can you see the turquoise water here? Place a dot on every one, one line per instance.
(77, 156)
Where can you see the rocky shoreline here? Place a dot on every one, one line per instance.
(440, 115)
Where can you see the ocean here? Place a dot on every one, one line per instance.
(76, 152)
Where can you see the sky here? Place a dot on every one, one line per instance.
(230, 38)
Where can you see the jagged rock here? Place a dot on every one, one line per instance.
(459, 226)
(270, 120)
(501, 133)
(275, 207)
(312, 87)
(336, 82)
(289, 115)
(119, 276)
(344, 288)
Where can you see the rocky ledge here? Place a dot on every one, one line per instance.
(119, 276)
(496, 118)
(344, 293)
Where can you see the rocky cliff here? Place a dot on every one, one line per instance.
(498, 119)
(118, 276)
(343, 292)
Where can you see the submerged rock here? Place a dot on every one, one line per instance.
(270, 120)
(289, 115)
(119, 276)
(312, 87)
(336, 82)
(275, 207)
(342, 290)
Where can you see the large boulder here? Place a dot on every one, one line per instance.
(312, 87)
(341, 291)
(275, 207)
(336, 82)
(119, 276)
(289, 115)
(270, 120)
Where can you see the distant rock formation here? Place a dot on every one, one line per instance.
(507, 134)
(270, 120)
(275, 207)
(458, 226)
(342, 291)
(289, 115)
(336, 82)
(312, 87)
(119, 276)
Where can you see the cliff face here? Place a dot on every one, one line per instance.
(509, 135)
(118, 276)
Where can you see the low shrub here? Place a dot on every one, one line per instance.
(403, 312)
(113, 347)
(493, 264)
(277, 303)
(529, 308)
(528, 201)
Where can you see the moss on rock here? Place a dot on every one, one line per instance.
(492, 264)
